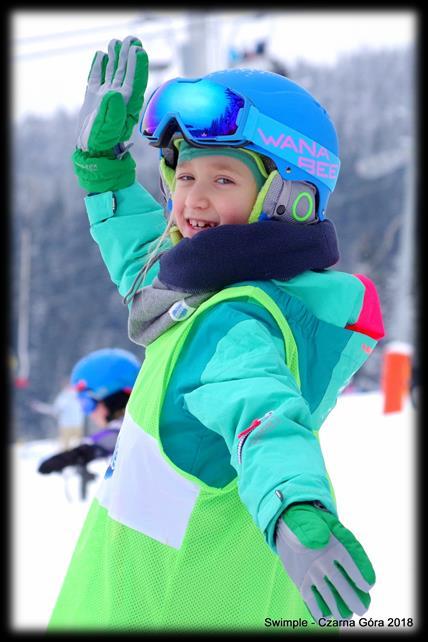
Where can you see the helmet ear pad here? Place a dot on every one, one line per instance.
(167, 183)
(284, 200)
(166, 194)
(293, 201)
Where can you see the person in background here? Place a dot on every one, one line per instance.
(67, 412)
(103, 381)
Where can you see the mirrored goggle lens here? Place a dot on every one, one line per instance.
(203, 107)
(87, 403)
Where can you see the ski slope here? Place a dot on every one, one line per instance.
(372, 465)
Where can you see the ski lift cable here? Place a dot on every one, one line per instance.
(75, 32)
(161, 32)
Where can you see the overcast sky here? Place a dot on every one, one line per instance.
(52, 50)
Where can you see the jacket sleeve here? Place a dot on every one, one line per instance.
(125, 225)
(248, 395)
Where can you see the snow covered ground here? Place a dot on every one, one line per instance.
(372, 464)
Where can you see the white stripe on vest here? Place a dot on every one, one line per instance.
(143, 491)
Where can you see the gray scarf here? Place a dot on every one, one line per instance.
(156, 308)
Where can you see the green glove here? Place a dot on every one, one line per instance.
(113, 101)
(325, 561)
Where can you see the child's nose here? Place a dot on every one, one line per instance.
(196, 198)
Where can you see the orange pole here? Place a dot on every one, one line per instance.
(397, 368)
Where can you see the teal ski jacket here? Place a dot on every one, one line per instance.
(232, 406)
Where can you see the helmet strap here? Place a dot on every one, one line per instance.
(261, 196)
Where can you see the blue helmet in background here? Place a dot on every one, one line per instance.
(257, 110)
(103, 373)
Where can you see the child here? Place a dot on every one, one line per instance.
(220, 514)
(103, 380)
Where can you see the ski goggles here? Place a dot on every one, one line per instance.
(87, 402)
(210, 114)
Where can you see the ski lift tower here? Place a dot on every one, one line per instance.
(202, 52)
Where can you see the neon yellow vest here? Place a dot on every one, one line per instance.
(162, 550)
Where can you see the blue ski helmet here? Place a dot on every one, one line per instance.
(257, 110)
(102, 373)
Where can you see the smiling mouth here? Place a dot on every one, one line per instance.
(196, 224)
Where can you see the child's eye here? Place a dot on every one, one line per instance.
(227, 180)
(184, 177)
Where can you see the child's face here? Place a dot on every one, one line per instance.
(211, 191)
(100, 414)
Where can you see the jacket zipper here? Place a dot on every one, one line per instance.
(243, 436)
